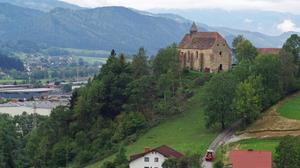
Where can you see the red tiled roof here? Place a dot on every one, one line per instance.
(250, 159)
(164, 150)
(200, 40)
(268, 50)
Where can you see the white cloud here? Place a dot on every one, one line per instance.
(248, 20)
(271, 5)
(288, 25)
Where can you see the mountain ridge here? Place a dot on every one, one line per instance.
(108, 28)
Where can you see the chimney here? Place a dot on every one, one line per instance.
(146, 149)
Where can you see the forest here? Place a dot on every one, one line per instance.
(120, 103)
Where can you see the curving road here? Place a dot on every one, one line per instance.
(222, 138)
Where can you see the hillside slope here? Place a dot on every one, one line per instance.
(187, 133)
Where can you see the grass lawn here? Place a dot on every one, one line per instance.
(260, 145)
(9, 81)
(291, 108)
(187, 133)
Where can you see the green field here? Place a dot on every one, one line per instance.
(260, 145)
(291, 108)
(187, 133)
(92, 60)
(9, 81)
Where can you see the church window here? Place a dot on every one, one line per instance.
(220, 53)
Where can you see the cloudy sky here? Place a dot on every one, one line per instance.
(292, 6)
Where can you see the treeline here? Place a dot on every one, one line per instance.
(13, 134)
(115, 107)
(8, 62)
(288, 155)
(253, 85)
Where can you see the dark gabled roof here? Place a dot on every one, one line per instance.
(200, 40)
(250, 159)
(268, 50)
(164, 150)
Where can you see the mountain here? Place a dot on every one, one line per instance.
(43, 5)
(106, 28)
(99, 28)
(266, 22)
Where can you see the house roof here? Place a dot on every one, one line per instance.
(250, 159)
(164, 150)
(200, 40)
(268, 50)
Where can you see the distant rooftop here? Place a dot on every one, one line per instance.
(268, 50)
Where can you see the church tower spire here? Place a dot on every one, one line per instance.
(194, 28)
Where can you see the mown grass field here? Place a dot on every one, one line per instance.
(291, 108)
(187, 133)
(260, 145)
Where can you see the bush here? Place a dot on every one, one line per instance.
(219, 164)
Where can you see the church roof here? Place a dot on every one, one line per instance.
(200, 40)
(194, 27)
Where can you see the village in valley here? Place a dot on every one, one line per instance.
(118, 87)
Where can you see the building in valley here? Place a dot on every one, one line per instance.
(153, 158)
(204, 51)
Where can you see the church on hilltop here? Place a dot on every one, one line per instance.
(204, 51)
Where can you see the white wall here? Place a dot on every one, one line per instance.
(140, 163)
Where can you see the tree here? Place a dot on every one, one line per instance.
(288, 71)
(121, 159)
(247, 101)
(288, 155)
(67, 88)
(170, 163)
(167, 60)
(238, 39)
(292, 45)
(139, 64)
(217, 99)
(269, 68)
(245, 51)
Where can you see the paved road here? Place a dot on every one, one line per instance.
(222, 138)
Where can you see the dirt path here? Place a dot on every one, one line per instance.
(272, 124)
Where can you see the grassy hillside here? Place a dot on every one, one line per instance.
(187, 133)
(291, 108)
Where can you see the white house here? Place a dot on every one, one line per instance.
(153, 158)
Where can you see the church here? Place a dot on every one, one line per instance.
(204, 51)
